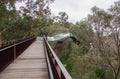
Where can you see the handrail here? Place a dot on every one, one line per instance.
(15, 44)
(59, 71)
(9, 43)
(10, 52)
(48, 63)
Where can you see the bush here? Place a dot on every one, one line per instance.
(100, 72)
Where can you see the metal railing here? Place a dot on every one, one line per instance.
(11, 51)
(58, 70)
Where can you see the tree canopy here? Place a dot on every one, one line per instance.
(98, 54)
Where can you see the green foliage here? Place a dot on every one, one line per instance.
(83, 61)
(100, 72)
(54, 29)
(84, 34)
(62, 18)
(28, 21)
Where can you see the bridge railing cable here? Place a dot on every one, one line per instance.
(10, 52)
(58, 70)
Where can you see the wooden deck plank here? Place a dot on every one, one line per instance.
(31, 64)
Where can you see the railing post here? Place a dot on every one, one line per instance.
(14, 49)
(62, 76)
(0, 39)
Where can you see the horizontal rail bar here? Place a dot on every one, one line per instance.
(59, 71)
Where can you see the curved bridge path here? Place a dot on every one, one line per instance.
(60, 37)
(31, 64)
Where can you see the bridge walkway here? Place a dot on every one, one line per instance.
(31, 64)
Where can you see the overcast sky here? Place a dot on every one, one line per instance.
(78, 9)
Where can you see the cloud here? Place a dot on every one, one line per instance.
(78, 9)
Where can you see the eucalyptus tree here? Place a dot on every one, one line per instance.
(115, 28)
(84, 34)
(40, 12)
(7, 11)
(62, 18)
(25, 22)
(8, 14)
(107, 35)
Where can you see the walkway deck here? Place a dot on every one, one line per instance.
(31, 64)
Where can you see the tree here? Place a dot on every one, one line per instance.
(107, 35)
(7, 14)
(62, 18)
(84, 34)
(115, 27)
(40, 12)
(27, 21)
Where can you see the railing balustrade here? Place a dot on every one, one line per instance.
(58, 70)
(12, 50)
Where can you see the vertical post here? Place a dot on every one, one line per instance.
(62, 76)
(0, 39)
(14, 49)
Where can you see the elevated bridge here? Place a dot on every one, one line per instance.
(59, 39)
(30, 58)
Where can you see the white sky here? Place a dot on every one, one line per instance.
(78, 9)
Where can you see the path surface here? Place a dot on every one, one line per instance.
(31, 64)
